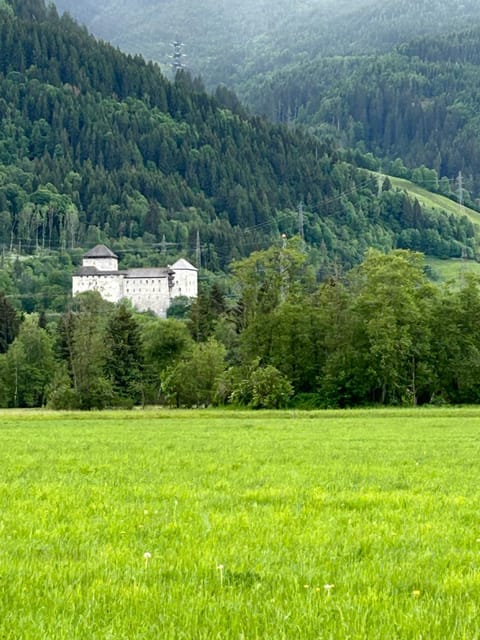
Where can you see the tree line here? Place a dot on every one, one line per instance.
(383, 334)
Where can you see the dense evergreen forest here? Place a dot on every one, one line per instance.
(99, 146)
(232, 42)
(418, 103)
(308, 63)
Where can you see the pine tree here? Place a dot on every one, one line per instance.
(9, 323)
(124, 360)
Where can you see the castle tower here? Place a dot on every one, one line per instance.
(185, 282)
(101, 258)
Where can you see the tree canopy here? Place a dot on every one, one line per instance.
(381, 334)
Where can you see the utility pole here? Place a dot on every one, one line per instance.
(198, 251)
(300, 222)
(460, 188)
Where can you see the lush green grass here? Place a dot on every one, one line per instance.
(452, 269)
(248, 518)
(434, 200)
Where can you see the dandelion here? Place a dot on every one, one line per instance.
(220, 568)
(306, 586)
(415, 593)
(146, 556)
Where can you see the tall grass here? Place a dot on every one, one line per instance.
(361, 524)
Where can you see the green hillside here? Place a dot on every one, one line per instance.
(318, 63)
(434, 200)
(452, 270)
(97, 146)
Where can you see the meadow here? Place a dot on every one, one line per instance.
(240, 525)
(452, 270)
(434, 200)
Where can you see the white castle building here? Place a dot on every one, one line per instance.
(147, 289)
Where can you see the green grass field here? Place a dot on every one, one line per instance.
(452, 269)
(433, 200)
(216, 524)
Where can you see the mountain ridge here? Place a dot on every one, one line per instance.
(231, 43)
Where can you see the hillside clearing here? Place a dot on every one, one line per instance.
(434, 200)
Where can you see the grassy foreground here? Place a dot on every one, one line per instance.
(195, 525)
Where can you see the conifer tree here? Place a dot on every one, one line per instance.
(9, 323)
(124, 360)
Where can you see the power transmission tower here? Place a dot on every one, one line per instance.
(461, 203)
(177, 55)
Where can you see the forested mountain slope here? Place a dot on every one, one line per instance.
(99, 146)
(232, 42)
(420, 102)
(317, 63)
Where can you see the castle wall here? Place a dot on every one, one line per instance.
(148, 294)
(110, 287)
(185, 284)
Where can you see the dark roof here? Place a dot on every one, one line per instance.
(153, 272)
(100, 251)
(93, 271)
(157, 272)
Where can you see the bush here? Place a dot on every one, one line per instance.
(265, 388)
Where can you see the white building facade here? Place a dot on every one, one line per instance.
(148, 289)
